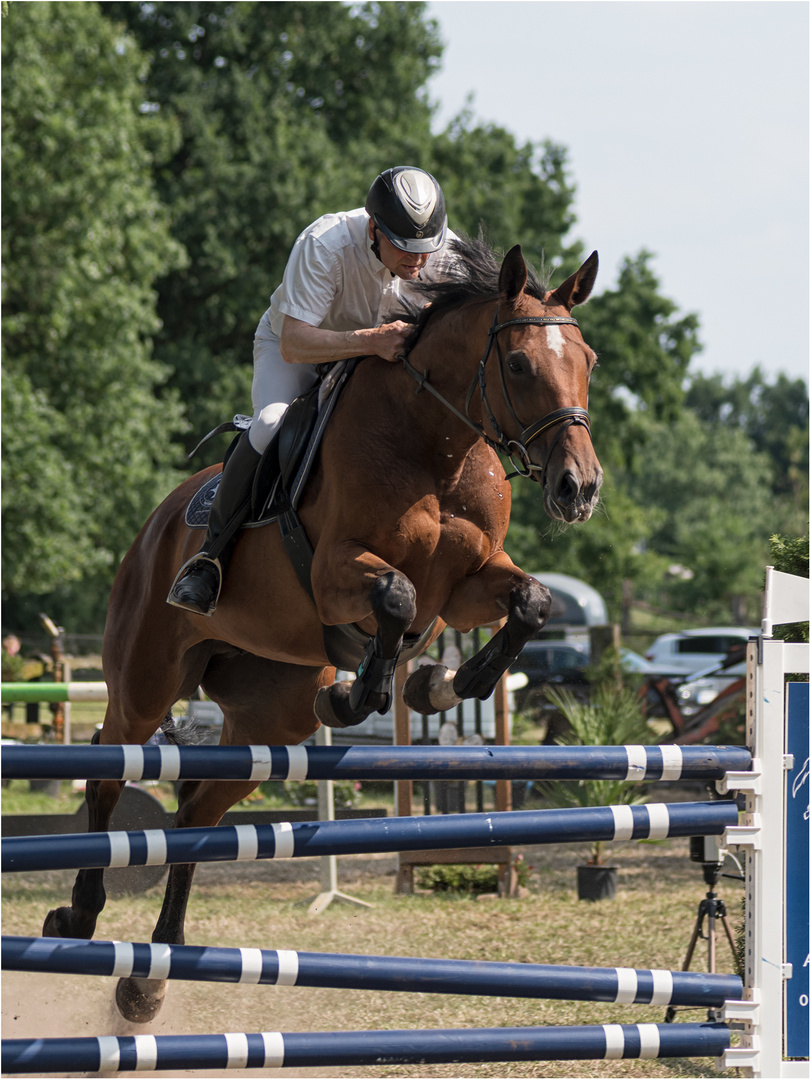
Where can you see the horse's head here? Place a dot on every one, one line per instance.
(545, 367)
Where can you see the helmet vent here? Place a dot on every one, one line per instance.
(417, 194)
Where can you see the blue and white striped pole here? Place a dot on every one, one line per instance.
(648, 763)
(285, 840)
(123, 959)
(269, 1050)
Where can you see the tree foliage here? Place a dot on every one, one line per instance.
(773, 416)
(159, 160)
(85, 445)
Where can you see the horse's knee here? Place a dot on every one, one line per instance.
(530, 605)
(394, 604)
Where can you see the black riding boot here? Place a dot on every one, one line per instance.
(197, 586)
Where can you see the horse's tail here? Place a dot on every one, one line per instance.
(185, 731)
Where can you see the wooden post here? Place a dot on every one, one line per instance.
(507, 878)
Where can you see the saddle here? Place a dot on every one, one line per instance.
(285, 466)
(279, 484)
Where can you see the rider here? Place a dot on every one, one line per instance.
(345, 276)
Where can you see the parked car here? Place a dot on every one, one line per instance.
(550, 663)
(692, 651)
(562, 664)
(693, 660)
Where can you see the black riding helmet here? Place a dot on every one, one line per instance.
(408, 207)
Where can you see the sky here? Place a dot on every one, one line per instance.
(687, 130)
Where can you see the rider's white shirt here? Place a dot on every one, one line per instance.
(335, 282)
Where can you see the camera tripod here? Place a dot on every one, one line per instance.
(710, 908)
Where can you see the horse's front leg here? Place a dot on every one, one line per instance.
(391, 599)
(497, 589)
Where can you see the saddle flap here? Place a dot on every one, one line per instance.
(287, 462)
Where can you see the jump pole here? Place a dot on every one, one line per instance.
(74, 956)
(264, 1050)
(15, 692)
(239, 843)
(326, 762)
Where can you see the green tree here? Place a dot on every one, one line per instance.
(288, 111)
(645, 346)
(86, 446)
(773, 415)
(711, 489)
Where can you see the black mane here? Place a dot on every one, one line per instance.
(472, 275)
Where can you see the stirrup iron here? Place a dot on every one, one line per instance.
(200, 559)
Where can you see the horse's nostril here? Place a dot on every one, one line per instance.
(569, 488)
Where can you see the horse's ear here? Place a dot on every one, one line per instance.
(577, 288)
(513, 276)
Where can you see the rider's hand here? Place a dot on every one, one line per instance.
(389, 340)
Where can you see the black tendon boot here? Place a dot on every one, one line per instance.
(197, 585)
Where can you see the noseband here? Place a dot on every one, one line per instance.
(512, 448)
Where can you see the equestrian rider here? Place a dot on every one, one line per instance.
(345, 276)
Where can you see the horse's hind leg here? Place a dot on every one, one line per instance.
(483, 598)
(120, 726)
(88, 898)
(250, 690)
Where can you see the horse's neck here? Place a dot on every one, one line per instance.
(449, 354)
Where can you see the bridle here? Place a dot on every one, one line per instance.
(563, 419)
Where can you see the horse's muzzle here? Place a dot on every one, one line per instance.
(568, 498)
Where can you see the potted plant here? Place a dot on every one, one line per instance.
(613, 717)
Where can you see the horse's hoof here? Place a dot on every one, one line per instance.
(64, 922)
(430, 689)
(332, 706)
(140, 1000)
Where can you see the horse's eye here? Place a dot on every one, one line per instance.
(515, 365)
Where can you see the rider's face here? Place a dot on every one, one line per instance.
(403, 264)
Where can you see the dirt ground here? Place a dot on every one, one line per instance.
(264, 904)
(52, 1006)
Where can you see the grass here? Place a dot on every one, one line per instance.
(264, 905)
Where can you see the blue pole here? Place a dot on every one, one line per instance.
(69, 956)
(648, 763)
(345, 1048)
(240, 843)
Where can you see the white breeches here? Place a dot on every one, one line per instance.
(275, 384)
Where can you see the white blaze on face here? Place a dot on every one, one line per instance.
(554, 339)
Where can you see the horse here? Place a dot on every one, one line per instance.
(406, 510)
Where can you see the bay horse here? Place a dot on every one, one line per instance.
(406, 511)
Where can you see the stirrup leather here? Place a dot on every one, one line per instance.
(200, 559)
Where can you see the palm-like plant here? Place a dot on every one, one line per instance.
(611, 718)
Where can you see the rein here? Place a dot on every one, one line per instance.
(511, 448)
